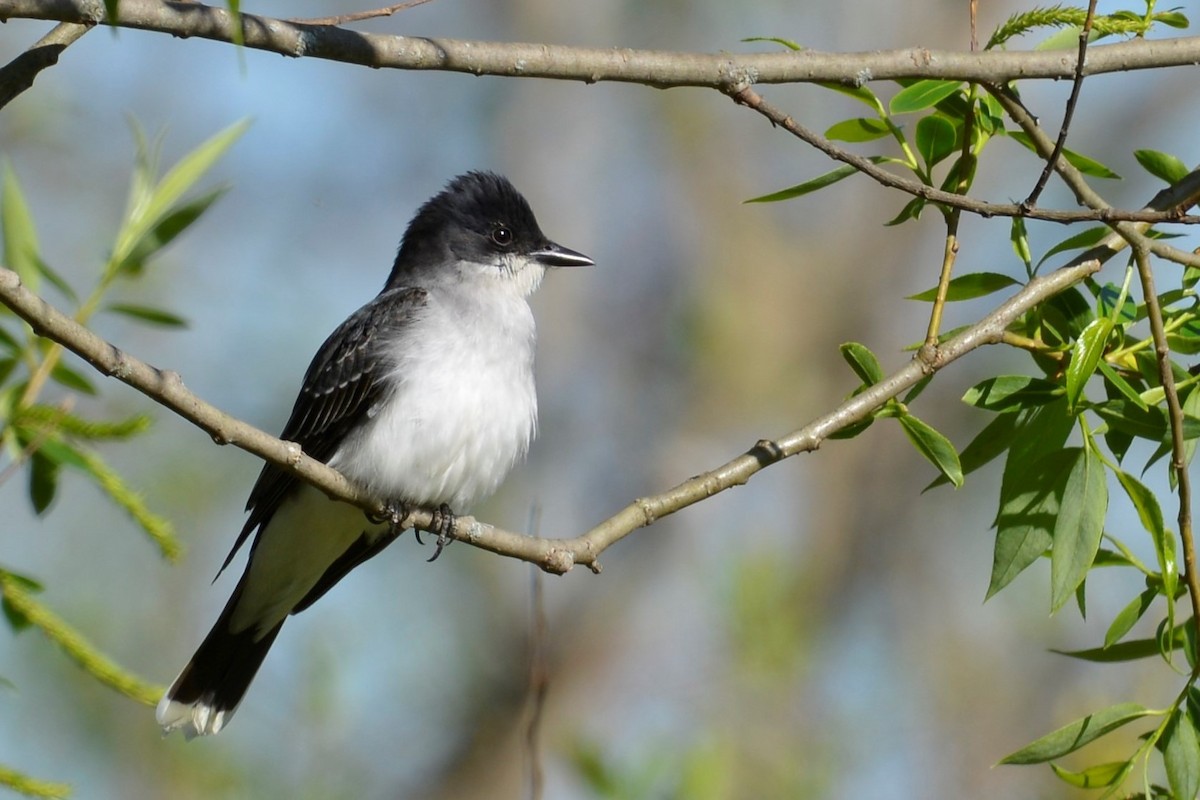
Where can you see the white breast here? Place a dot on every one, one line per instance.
(463, 409)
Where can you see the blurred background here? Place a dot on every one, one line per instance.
(820, 632)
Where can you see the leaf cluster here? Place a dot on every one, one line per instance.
(43, 431)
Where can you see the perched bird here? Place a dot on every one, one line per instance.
(423, 397)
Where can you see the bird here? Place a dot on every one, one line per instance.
(424, 397)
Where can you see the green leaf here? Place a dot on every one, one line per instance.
(1089, 237)
(819, 182)
(922, 95)
(968, 287)
(173, 223)
(1095, 777)
(110, 11)
(152, 316)
(1148, 423)
(1121, 652)
(1085, 356)
(1162, 165)
(20, 236)
(936, 448)
(1128, 617)
(43, 481)
(912, 210)
(1088, 166)
(788, 43)
(994, 439)
(862, 94)
(1006, 393)
(863, 362)
(16, 619)
(71, 379)
(1029, 506)
(935, 138)
(145, 215)
(1175, 19)
(1121, 385)
(860, 129)
(1075, 735)
(1078, 527)
(1151, 516)
(1181, 754)
(1019, 239)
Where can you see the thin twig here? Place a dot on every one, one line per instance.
(950, 251)
(18, 75)
(1069, 113)
(358, 16)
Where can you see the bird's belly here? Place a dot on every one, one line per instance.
(451, 438)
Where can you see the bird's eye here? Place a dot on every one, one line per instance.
(502, 235)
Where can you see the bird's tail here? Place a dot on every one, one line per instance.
(207, 692)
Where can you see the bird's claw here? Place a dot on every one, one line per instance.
(445, 523)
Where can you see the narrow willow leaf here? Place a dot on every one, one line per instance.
(859, 129)
(146, 215)
(1162, 165)
(1095, 777)
(1019, 239)
(1088, 166)
(921, 95)
(43, 481)
(174, 222)
(1151, 516)
(1145, 423)
(912, 210)
(936, 448)
(1075, 735)
(1007, 393)
(968, 287)
(994, 439)
(235, 14)
(110, 11)
(912, 393)
(20, 236)
(1191, 408)
(71, 379)
(152, 316)
(1029, 506)
(1078, 527)
(863, 93)
(863, 362)
(1175, 19)
(788, 43)
(56, 280)
(1125, 651)
(1121, 385)
(1085, 356)
(1181, 754)
(935, 139)
(1128, 617)
(819, 182)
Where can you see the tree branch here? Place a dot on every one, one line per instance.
(590, 65)
(18, 75)
(552, 555)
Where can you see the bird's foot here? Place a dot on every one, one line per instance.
(445, 523)
(394, 513)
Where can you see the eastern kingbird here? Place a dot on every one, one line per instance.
(424, 397)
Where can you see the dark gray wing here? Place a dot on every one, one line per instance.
(342, 382)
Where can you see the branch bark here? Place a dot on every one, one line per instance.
(590, 65)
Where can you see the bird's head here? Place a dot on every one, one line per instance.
(478, 228)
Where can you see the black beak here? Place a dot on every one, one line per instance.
(555, 255)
